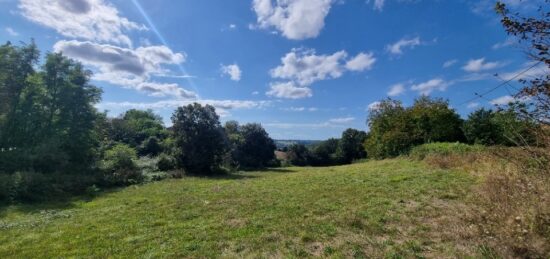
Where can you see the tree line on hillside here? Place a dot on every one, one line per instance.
(396, 129)
(53, 140)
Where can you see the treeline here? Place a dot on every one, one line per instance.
(396, 129)
(54, 142)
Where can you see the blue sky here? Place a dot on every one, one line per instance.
(305, 69)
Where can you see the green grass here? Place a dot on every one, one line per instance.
(378, 209)
(444, 149)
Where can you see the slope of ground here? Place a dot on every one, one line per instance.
(389, 208)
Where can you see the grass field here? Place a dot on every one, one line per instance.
(392, 208)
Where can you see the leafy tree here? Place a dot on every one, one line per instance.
(480, 128)
(350, 146)
(390, 130)
(199, 138)
(435, 121)
(298, 155)
(324, 153)
(136, 126)
(50, 121)
(394, 129)
(251, 146)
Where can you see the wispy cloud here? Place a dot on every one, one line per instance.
(12, 32)
(397, 47)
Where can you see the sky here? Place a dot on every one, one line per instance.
(304, 69)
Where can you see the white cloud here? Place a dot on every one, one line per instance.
(361, 62)
(255, 93)
(130, 68)
(289, 90)
(83, 19)
(503, 100)
(472, 105)
(379, 4)
(449, 63)
(507, 99)
(428, 87)
(300, 109)
(374, 106)
(296, 19)
(232, 26)
(478, 65)
(11, 32)
(506, 43)
(396, 90)
(305, 67)
(523, 73)
(397, 48)
(233, 71)
(342, 120)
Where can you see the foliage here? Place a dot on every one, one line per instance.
(532, 32)
(250, 145)
(350, 146)
(119, 166)
(445, 149)
(199, 137)
(481, 128)
(151, 146)
(47, 117)
(324, 153)
(138, 128)
(298, 155)
(394, 129)
(166, 163)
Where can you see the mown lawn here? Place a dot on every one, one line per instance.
(393, 208)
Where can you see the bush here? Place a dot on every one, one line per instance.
(444, 149)
(119, 166)
(166, 163)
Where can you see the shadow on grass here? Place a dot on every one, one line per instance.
(54, 203)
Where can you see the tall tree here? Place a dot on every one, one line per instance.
(350, 146)
(200, 139)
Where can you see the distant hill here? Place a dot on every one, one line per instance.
(281, 143)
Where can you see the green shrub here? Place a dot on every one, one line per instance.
(166, 163)
(119, 166)
(31, 187)
(444, 149)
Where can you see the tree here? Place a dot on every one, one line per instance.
(350, 146)
(199, 138)
(298, 155)
(435, 121)
(532, 34)
(480, 128)
(51, 120)
(390, 130)
(394, 129)
(251, 146)
(324, 153)
(136, 126)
